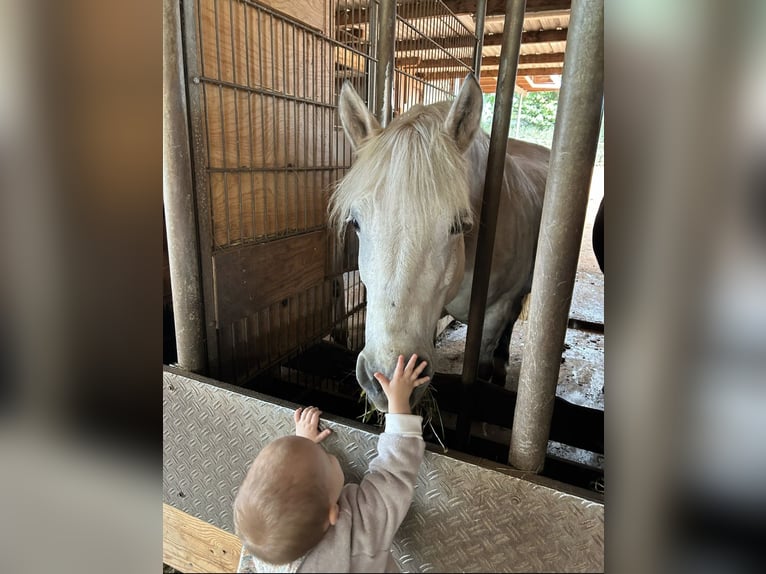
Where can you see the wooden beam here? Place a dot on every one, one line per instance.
(451, 42)
(193, 545)
(413, 10)
(534, 8)
(486, 61)
(533, 71)
(492, 73)
(489, 85)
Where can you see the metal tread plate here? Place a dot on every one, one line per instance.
(465, 517)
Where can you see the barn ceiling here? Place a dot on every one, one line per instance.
(542, 48)
(542, 44)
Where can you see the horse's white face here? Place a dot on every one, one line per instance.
(411, 253)
(407, 288)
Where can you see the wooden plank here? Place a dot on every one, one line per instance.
(489, 85)
(486, 61)
(493, 72)
(252, 277)
(260, 139)
(310, 12)
(452, 42)
(193, 545)
(253, 205)
(224, 40)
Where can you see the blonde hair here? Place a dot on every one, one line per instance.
(281, 510)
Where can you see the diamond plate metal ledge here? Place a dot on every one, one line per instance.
(465, 516)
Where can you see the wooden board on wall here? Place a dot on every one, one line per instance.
(269, 118)
(315, 13)
(252, 277)
(247, 46)
(193, 545)
(271, 152)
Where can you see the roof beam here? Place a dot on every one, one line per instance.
(412, 10)
(489, 86)
(538, 71)
(531, 37)
(534, 9)
(419, 44)
(486, 61)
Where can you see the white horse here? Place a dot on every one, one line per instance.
(412, 196)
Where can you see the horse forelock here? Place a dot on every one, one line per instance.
(411, 172)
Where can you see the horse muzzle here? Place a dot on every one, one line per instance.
(366, 368)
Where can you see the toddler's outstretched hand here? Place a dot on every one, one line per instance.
(307, 424)
(400, 387)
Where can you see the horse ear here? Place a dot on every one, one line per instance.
(464, 116)
(358, 123)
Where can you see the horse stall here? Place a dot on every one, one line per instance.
(268, 306)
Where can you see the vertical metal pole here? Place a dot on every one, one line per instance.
(481, 12)
(509, 59)
(371, 63)
(384, 71)
(575, 139)
(518, 115)
(178, 200)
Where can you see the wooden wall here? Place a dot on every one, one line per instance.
(267, 149)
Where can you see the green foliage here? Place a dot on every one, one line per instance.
(538, 115)
(487, 112)
(538, 109)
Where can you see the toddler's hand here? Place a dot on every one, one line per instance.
(307, 424)
(399, 388)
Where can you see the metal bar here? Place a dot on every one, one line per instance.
(509, 57)
(481, 11)
(237, 141)
(223, 127)
(274, 127)
(250, 130)
(575, 140)
(178, 199)
(384, 71)
(372, 64)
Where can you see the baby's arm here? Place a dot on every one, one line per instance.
(385, 494)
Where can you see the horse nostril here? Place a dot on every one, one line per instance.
(428, 371)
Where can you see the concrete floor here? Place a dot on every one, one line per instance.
(581, 379)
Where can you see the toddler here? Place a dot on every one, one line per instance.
(293, 511)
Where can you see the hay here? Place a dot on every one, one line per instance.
(428, 408)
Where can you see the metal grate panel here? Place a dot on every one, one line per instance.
(465, 517)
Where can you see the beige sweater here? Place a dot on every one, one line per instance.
(372, 511)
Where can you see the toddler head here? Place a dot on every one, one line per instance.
(288, 499)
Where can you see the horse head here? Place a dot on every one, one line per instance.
(407, 198)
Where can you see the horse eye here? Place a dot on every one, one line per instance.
(460, 226)
(355, 223)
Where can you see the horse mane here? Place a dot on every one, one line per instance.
(413, 154)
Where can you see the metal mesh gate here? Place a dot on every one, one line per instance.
(434, 51)
(262, 81)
